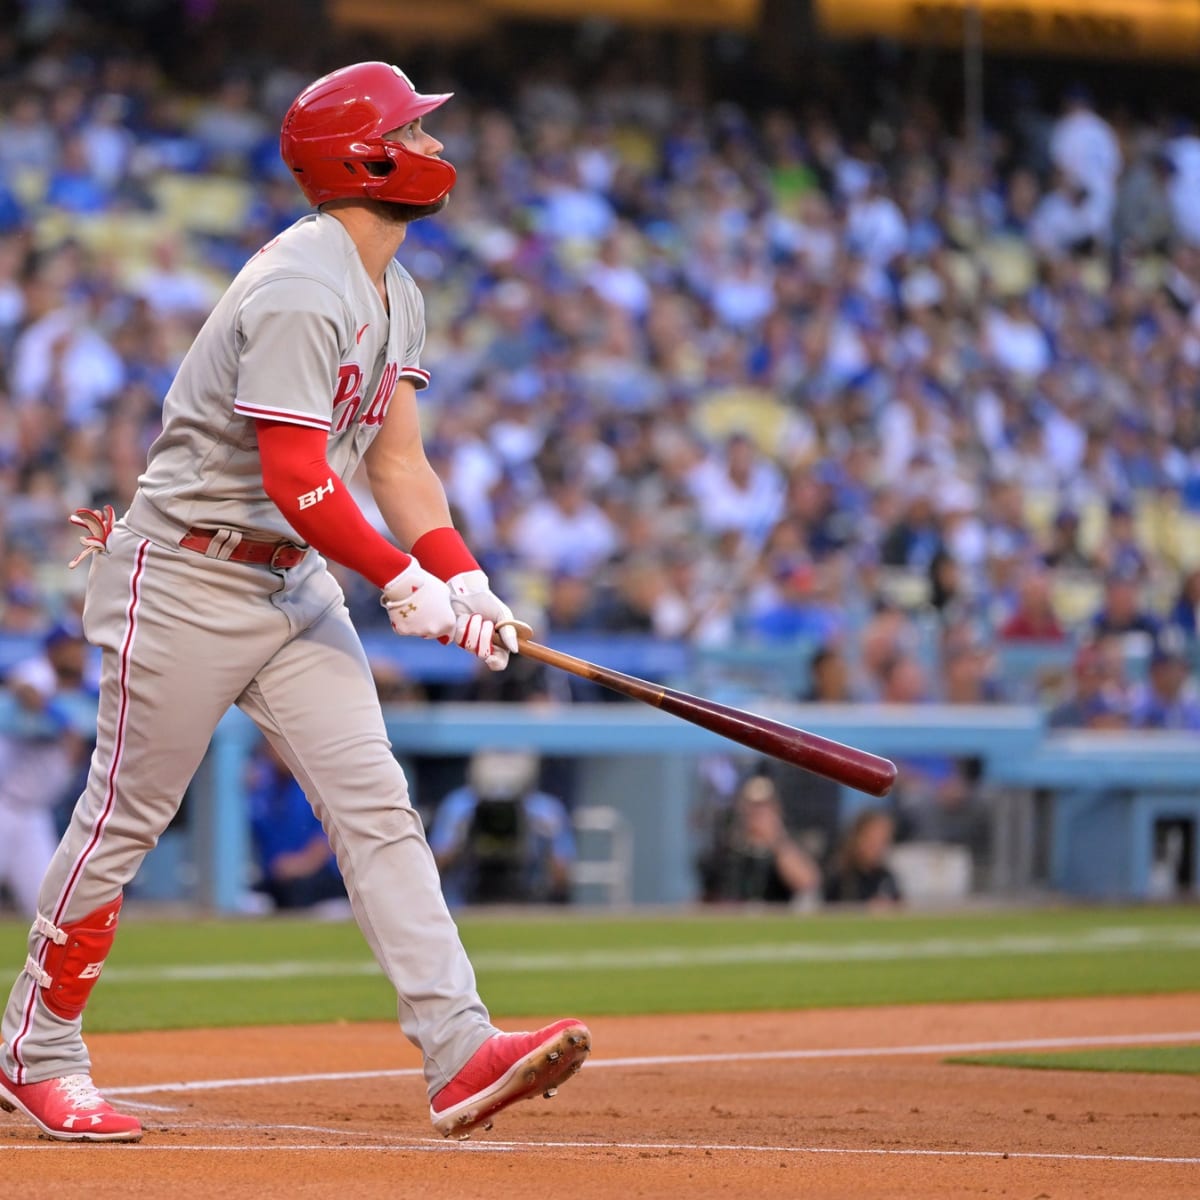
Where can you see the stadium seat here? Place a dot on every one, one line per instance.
(1039, 508)
(612, 871)
(1187, 532)
(128, 236)
(1093, 526)
(932, 872)
(1009, 264)
(28, 185)
(753, 411)
(1076, 596)
(906, 586)
(203, 203)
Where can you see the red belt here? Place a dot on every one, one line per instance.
(280, 555)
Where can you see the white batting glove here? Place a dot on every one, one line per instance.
(97, 524)
(418, 604)
(479, 610)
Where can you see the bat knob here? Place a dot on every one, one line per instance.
(524, 630)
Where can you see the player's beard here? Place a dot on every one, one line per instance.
(405, 214)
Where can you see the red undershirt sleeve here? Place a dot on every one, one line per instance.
(318, 505)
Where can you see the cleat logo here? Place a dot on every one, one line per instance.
(69, 1121)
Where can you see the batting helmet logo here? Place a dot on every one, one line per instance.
(333, 138)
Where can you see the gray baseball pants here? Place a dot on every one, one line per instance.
(183, 637)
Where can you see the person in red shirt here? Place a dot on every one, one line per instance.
(1034, 619)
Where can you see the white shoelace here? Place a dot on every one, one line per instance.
(80, 1091)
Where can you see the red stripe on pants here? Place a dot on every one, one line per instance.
(114, 766)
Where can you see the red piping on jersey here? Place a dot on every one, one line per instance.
(259, 413)
(318, 506)
(114, 767)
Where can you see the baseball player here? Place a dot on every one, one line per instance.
(213, 590)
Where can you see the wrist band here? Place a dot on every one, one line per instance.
(443, 553)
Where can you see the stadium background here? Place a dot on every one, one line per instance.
(750, 344)
(747, 344)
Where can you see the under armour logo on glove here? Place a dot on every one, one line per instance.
(418, 604)
(99, 524)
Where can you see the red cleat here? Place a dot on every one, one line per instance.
(509, 1067)
(69, 1109)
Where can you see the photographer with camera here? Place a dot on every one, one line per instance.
(498, 840)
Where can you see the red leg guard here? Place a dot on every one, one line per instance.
(75, 957)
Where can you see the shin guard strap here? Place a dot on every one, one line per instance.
(71, 967)
(34, 971)
(49, 930)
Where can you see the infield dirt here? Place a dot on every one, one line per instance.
(877, 1114)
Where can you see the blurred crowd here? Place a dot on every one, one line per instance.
(894, 394)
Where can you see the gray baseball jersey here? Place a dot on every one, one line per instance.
(301, 336)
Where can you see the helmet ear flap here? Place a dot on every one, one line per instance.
(411, 178)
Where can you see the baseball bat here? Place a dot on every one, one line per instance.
(822, 756)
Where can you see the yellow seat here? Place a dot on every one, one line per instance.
(52, 226)
(752, 411)
(1095, 275)
(29, 185)
(906, 587)
(1039, 510)
(203, 203)
(1093, 526)
(128, 235)
(1166, 530)
(1185, 530)
(1076, 596)
(1009, 264)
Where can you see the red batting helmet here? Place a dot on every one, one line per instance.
(333, 138)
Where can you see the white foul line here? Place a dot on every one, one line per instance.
(219, 1085)
(664, 1060)
(428, 1146)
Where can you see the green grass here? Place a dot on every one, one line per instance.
(592, 966)
(1144, 1060)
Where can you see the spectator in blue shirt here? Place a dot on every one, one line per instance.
(796, 609)
(1120, 552)
(1121, 612)
(1186, 612)
(294, 856)
(72, 186)
(1098, 696)
(11, 212)
(1168, 699)
(500, 840)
